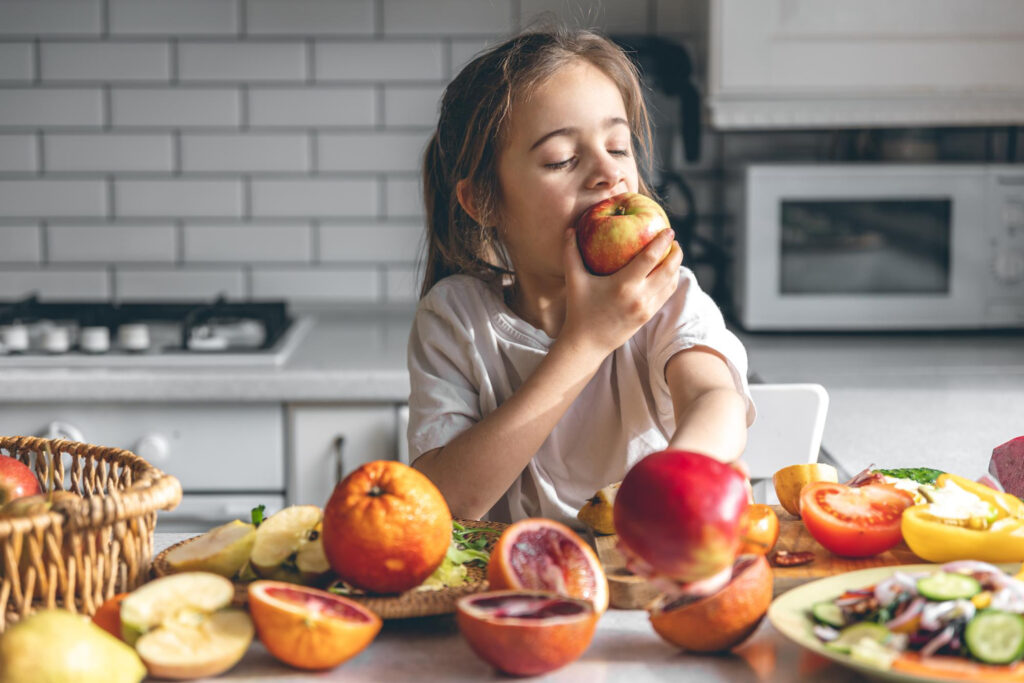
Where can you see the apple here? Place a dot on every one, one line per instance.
(613, 231)
(16, 480)
(679, 513)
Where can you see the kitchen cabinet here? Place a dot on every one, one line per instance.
(851, 63)
(327, 441)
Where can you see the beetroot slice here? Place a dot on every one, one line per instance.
(1007, 466)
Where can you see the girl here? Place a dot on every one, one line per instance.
(533, 382)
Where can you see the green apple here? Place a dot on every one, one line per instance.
(611, 232)
(222, 550)
(289, 546)
(182, 625)
(55, 645)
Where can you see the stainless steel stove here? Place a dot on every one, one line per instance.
(36, 333)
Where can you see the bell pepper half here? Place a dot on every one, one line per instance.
(937, 539)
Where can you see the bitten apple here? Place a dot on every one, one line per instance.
(613, 231)
(16, 480)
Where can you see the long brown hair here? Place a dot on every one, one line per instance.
(470, 131)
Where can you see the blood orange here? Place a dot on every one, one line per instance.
(309, 628)
(722, 620)
(526, 633)
(542, 554)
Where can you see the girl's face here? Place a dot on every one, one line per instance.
(568, 147)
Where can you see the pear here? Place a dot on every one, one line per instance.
(182, 625)
(222, 550)
(55, 645)
(597, 510)
(289, 546)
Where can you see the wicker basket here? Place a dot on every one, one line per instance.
(84, 548)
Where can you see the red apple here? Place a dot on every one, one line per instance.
(613, 231)
(679, 513)
(16, 480)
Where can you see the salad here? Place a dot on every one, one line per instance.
(965, 609)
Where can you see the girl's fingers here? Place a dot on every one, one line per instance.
(571, 259)
(653, 254)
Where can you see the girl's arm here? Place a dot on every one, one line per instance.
(478, 466)
(710, 413)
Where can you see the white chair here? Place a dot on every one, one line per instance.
(788, 429)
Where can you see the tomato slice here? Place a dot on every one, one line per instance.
(854, 522)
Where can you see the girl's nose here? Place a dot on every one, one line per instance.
(606, 172)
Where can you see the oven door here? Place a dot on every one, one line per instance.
(863, 247)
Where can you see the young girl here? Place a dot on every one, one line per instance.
(533, 382)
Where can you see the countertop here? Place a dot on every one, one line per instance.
(625, 648)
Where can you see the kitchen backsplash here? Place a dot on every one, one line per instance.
(171, 149)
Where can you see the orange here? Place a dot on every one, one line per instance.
(542, 554)
(108, 615)
(759, 529)
(309, 628)
(722, 620)
(526, 633)
(386, 527)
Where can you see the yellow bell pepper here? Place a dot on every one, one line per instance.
(936, 540)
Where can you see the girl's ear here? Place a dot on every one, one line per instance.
(464, 193)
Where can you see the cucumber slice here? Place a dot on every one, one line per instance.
(995, 637)
(863, 630)
(828, 612)
(943, 586)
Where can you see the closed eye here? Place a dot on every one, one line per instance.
(619, 152)
(560, 164)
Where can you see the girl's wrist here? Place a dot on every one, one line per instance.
(581, 348)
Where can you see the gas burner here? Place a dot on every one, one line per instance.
(41, 333)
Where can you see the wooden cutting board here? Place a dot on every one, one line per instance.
(627, 591)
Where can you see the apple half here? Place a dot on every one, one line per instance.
(289, 546)
(221, 550)
(183, 626)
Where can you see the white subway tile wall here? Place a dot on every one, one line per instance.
(166, 149)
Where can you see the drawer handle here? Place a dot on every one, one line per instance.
(339, 458)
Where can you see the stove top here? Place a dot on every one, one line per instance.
(37, 333)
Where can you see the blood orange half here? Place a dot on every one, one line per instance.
(526, 633)
(541, 554)
(309, 628)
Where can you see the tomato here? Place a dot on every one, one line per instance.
(854, 522)
(759, 529)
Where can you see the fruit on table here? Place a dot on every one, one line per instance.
(526, 633)
(966, 520)
(759, 529)
(108, 615)
(542, 554)
(789, 481)
(854, 521)
(56, 645)
(611, 232)
(309, 628)
(288, 545)
(598, 511)
(386, 527)
(1007, 465)
(183, 627)
(722, 620)
(16, 479)
(679, 513)
(222, 550)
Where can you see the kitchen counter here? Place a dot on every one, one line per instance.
(625, 648)
(937, 400)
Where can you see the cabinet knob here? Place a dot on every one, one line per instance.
(153, 448)
(64, 430)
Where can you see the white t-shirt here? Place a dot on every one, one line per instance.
(468, 353)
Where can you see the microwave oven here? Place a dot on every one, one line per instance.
(830, 247)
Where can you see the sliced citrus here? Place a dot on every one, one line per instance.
(722, 620)
(309, 628)
(108, 615)
(542, 554)
(526, 633)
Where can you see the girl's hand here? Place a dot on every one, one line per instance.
(603, 312)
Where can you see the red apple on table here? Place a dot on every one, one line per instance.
(16, 480)
(613, 231)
